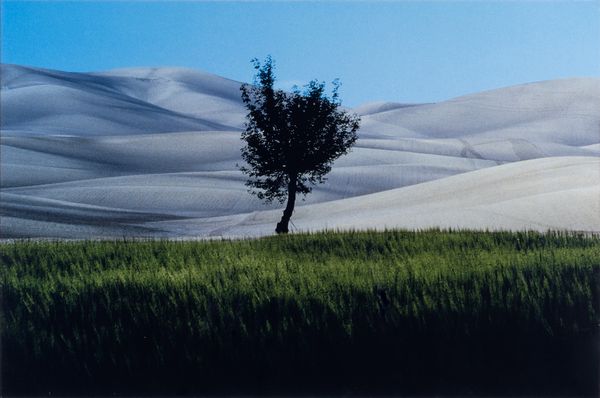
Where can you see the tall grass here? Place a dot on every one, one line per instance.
(379, 312)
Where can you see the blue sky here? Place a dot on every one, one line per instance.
(390, 50)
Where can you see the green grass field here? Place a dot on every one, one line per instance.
(397, 312)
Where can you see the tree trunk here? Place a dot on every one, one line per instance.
(282, 226)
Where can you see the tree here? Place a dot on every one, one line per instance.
(291, 139)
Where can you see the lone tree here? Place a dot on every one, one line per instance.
(291, 139)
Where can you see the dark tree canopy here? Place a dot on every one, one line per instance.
(291, 139)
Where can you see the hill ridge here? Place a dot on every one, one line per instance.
(167, 147)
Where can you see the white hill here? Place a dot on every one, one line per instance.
(541, 194)
(50, 102)
(153, 152)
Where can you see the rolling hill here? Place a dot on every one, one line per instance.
(152, 152)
